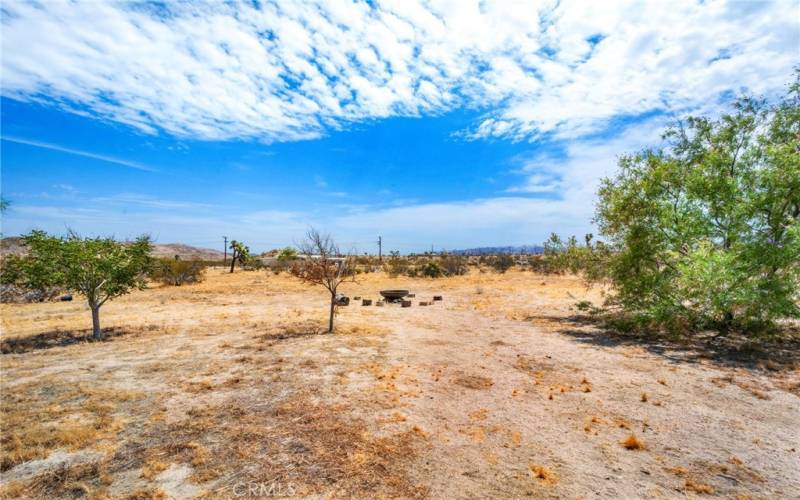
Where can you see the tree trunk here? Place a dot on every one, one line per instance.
(233, 259)
(96, 332)
(333, 309)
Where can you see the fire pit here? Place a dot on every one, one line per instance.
(394, 295)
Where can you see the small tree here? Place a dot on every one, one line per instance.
(241, 253)
(323, 265)
(99, 268)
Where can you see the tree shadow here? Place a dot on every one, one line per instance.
(55, 338)
(777, 352)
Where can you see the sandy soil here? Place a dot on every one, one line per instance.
(228, 389)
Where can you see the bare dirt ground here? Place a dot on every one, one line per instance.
(228, 389)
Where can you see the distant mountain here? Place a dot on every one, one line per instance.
(13, 245)
(515, 250)
(186, 252)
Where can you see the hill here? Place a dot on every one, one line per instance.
(13, 245)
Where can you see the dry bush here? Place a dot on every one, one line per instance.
(632, 443)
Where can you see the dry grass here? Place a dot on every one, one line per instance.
(542, 473)
(40, 418)
(696, 487)
(473, 382)
(632, 443)
(236, 379)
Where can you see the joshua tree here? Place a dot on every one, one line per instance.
(323, 265)
(240, 252)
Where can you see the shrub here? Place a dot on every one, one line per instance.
(178, 272)
(431, 270)
(397, 266)
(454, 265)
(501, 263)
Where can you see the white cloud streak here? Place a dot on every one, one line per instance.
(297, 70)
(76, 152)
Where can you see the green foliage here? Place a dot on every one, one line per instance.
(705, 231)
(287, 254)
(12, 270)
(99, 268)
(240, 254)
(431, 269)
(177, 271)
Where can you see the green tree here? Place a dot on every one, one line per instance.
(706, 229)
(241, 253)
(99, 268)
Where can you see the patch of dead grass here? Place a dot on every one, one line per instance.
(542, 473)
(40, 418)
(473, 381)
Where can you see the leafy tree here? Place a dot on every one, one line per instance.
(12, 270)
(4, 204)
(240, 253)
(99, 268)
(706, 230)
(324, 265)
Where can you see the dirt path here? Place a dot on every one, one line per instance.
(498, 399)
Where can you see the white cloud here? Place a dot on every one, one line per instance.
(77, 152)
(296, 70)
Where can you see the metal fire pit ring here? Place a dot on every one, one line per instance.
(393, 295)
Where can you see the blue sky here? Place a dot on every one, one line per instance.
(447, 124)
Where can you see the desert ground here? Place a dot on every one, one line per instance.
(230, 389)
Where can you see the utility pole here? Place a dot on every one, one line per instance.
(380, 249)
(225, 259)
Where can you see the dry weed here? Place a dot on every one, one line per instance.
(632, 443)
